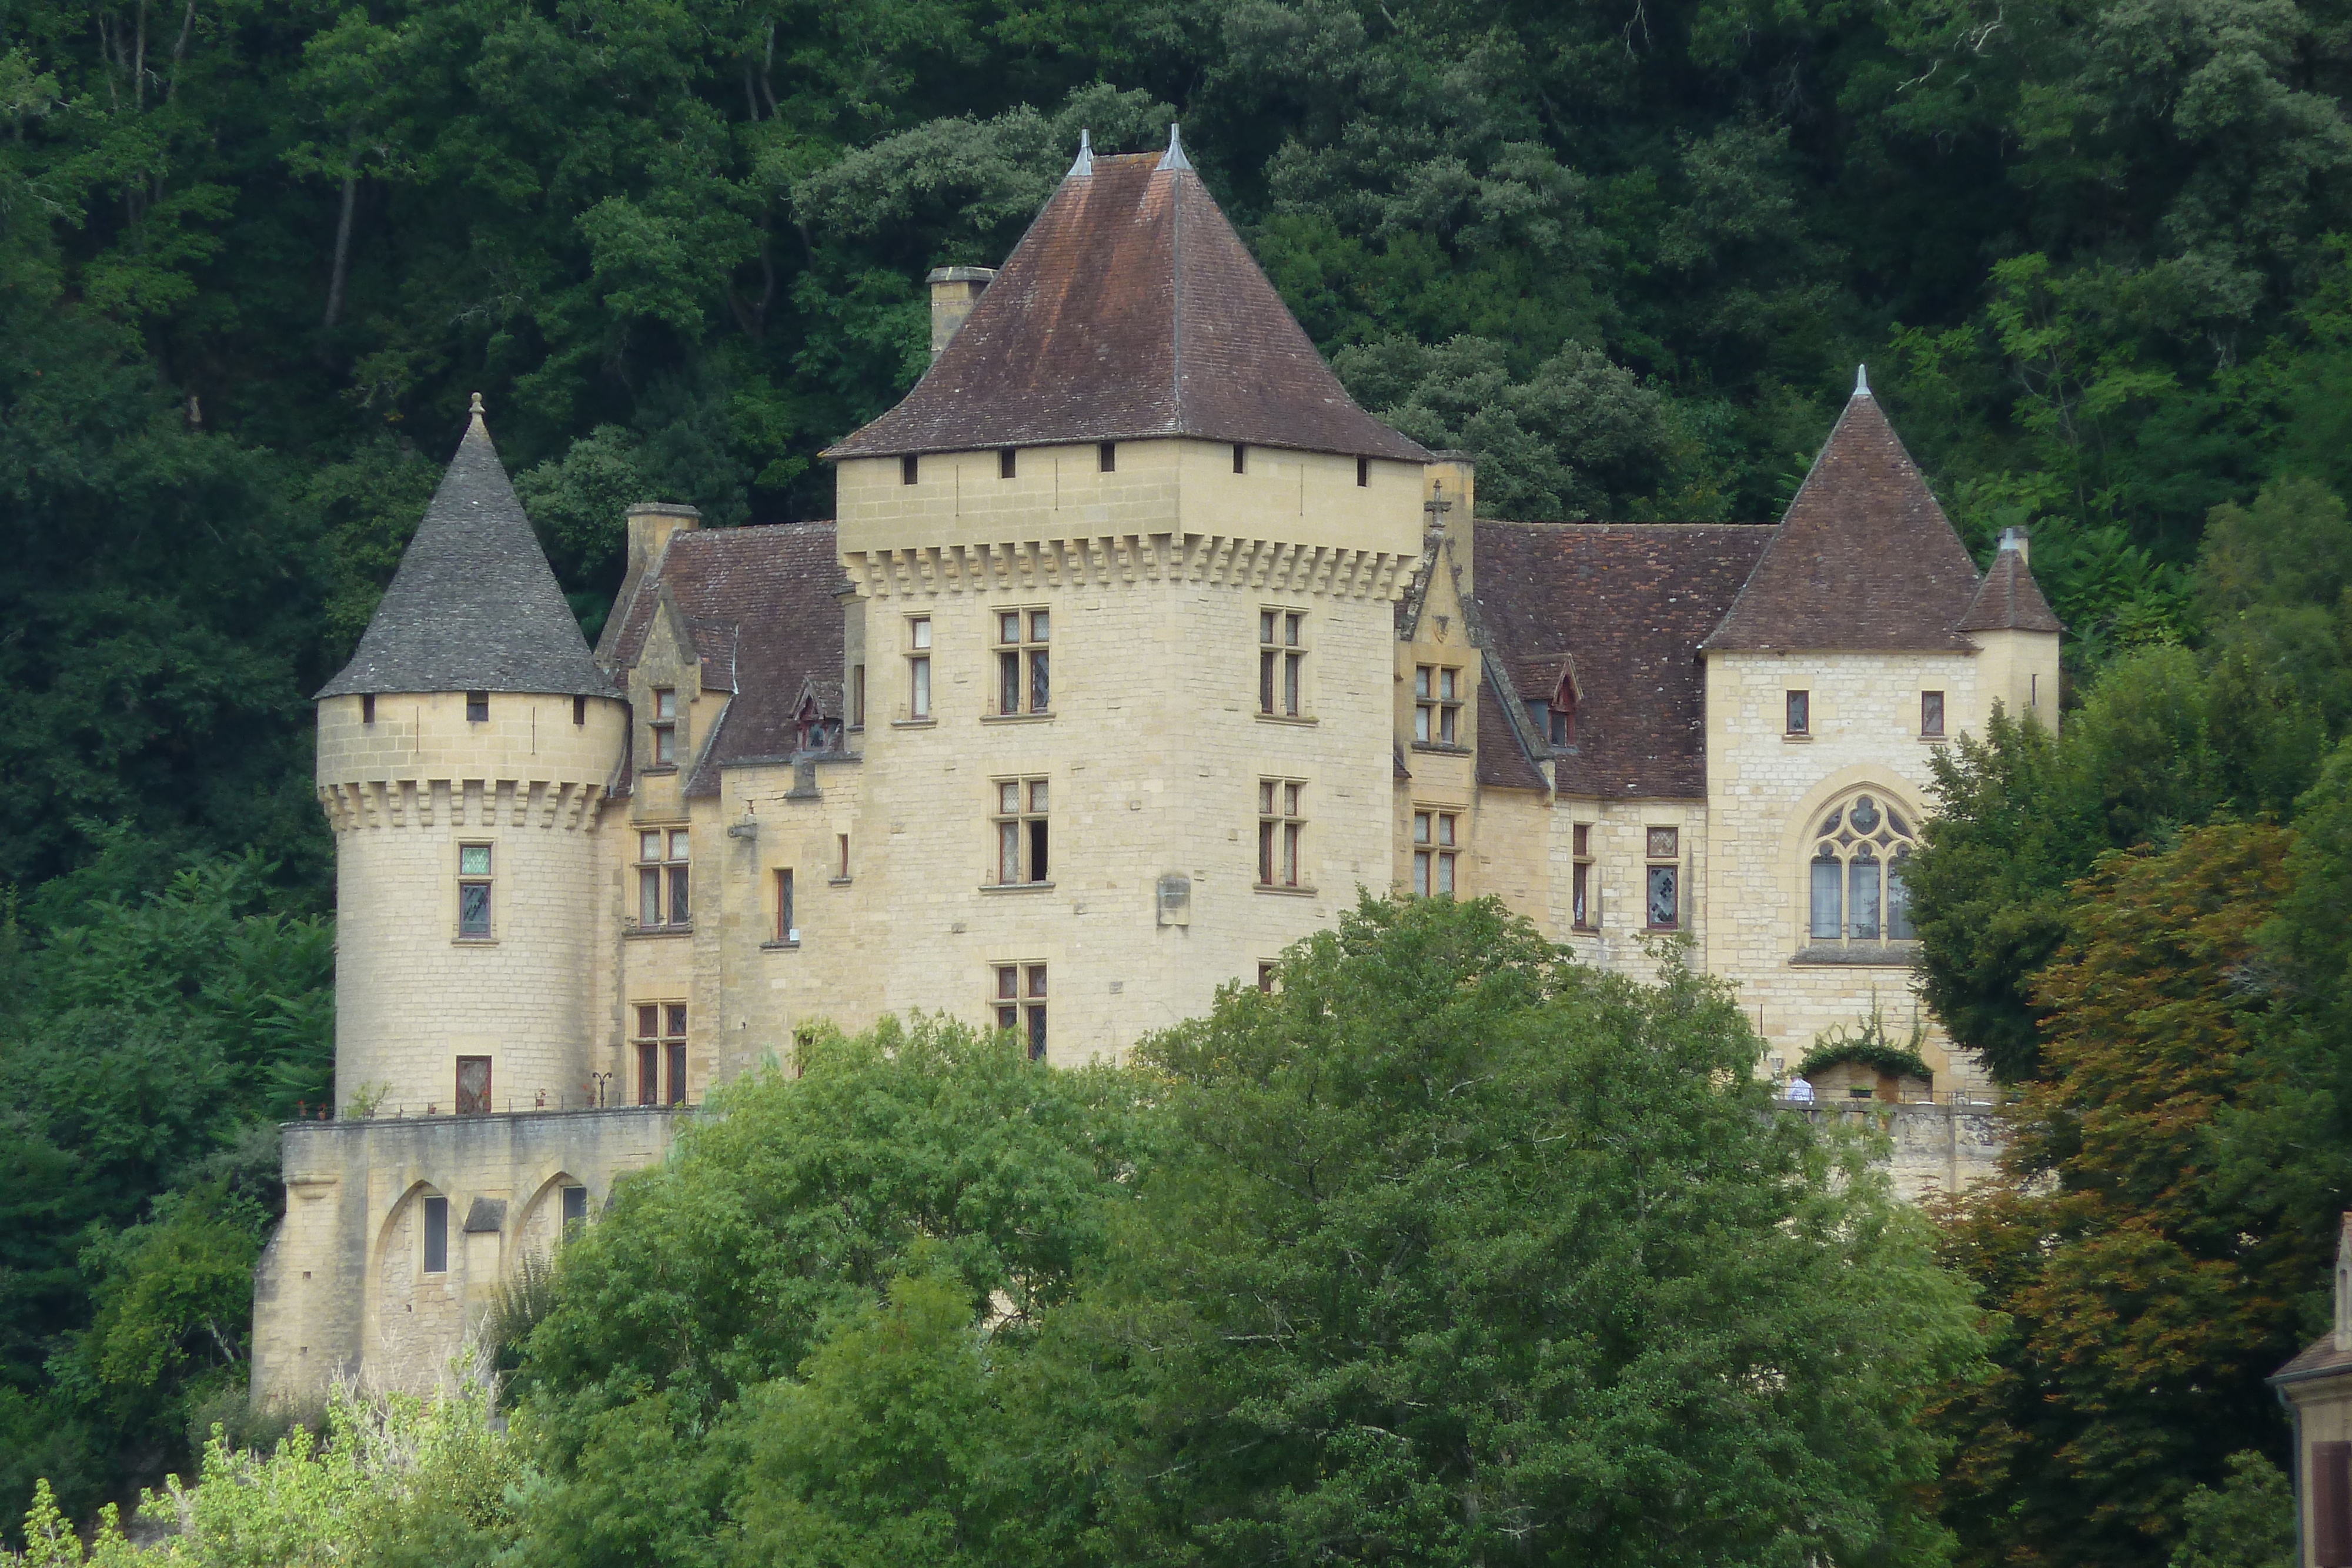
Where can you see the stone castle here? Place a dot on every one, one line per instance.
(1135, 649)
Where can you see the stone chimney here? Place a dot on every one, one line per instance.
(954, 292)
(1449, 492)
(651, 523)
(2016, 539)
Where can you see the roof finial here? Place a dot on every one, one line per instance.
(1862, 381)
(1086, 160)
(1174, 159)
(477, 410)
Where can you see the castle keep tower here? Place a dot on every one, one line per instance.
(463, 756)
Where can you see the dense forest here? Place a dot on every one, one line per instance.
(254, 257)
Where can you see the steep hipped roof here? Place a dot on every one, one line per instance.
(758, 605)
(474, 606)
(1864, 559)
(1131, 309)
(1628, 603)
(2010, 599)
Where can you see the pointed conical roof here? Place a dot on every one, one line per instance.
(1864, 559)
(475, 606)
(2010, 599)
(1131, 309)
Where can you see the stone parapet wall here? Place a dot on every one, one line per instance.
(341, 1290)
(1934, 1150)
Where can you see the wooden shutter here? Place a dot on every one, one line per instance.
(2331, 1504)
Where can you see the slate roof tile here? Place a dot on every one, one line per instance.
(475, 606)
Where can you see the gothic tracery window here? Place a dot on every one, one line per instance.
(1861, 850)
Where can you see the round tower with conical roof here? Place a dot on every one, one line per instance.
(464, 755)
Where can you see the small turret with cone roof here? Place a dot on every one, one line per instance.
(464, 757)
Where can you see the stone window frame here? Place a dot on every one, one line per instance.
(661, 1050)
(1582, 912)
(1436, 849)
(1932, 715)
(1282, 649)
(1796, 713)
(1438, 699)
(666, 875)
(430, 1219)
(1026, 659)
(1892, 838)
(1282, 836)
(919, 640)
(664, 744)
(1018, 1000)
(1020, 832)
(1663, 858)
(473, 875)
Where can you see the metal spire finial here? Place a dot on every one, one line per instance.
(1084, 164)
(1862, 381)
(1174, 159)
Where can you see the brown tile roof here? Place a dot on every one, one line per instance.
(2320, 1359)
(758, 604)
(1629, 603)
(2010, 599)
(1864, 559)
(1129, 309)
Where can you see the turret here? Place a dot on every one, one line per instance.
(463, 756)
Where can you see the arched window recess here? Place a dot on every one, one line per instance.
(1859, 910)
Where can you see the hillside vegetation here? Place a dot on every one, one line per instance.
(253, 256)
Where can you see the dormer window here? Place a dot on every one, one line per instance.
(809, 726)
(1560, 717)
(664, 727)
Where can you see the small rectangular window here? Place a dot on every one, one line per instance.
(367, 708)
(478, 708)
(473, 1086)
(1801, 713)
(909, 468)
(474, 891)
(1437, 691)
(1363, 472)
(660, 1039)
(580, 711)
(437, 1235)
(664, 727)
(1664, 903)
(1024, 664)
(1265, 973)
(1106, 456)
(1281, 663)
(1019, 823)
(1240, 458)
(786, 924)
(664, 884)
(575, 1211)
(857, 696)
(2331, 1504)
(1006, 463)
(1281, 832)
(1434, 854)
(919, 667)
(1931, 713)
(841, 842)
(1018, 999)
